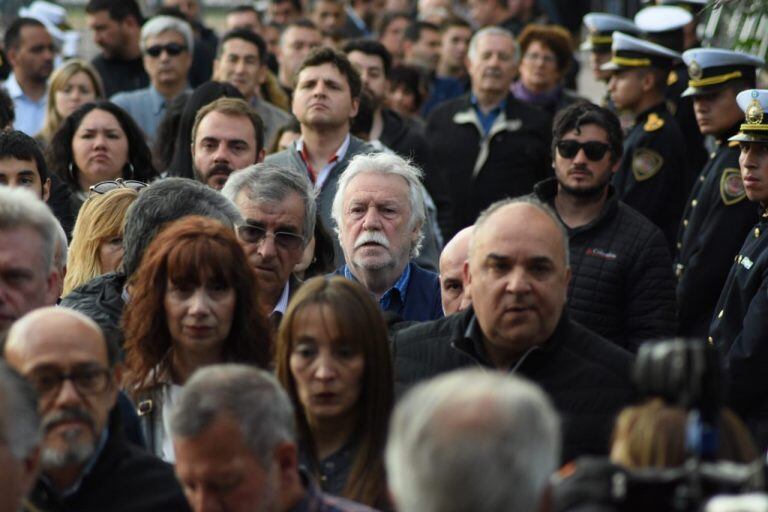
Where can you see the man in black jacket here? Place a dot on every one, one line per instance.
(518, 275)
(622, 285)
(87, 464)
(487, 144)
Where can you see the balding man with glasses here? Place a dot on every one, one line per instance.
(86, 461)
(278, 207)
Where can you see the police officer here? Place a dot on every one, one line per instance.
(651, 176)
(717, 214)
(600, 27)
(739, 327)
(665, 25)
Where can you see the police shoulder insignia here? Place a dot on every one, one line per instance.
(646, 163)
(731, 186)
(672, 78)
(653, 123)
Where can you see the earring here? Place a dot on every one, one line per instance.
(130, 171)
(71, 172)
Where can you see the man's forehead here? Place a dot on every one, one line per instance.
(288, 210)
(225, 126)
(166, 35)
(382, 186)
(56, 343)
(518, 226)
(240, 46)
(324, 71)
(359, 58)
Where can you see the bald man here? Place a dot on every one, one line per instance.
(452, 285)
(86, 462)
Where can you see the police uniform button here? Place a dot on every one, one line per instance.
(694, 202)
(710, 340)
(721, 313)
(757, 232)
(685, 223)
(679, 245)
(701, 179)
(712, 154)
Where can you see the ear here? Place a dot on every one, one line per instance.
(285, 462)
(355, 106)
(648, 81)
(11, 54)
(215, 73)
(52, 287)
(615, 166)
(192, 149)
(466, 275)
(260, 156)
(46, 189)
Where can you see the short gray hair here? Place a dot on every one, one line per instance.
(167, 200)
(388, 164)
(472, 440)
(251, 397)
(491, 31)
(20, 208)
(536, 203)
(271, 184)
(60, 254)
(159, 24)
(19, 420)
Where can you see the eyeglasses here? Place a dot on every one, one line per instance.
(172, 49)
(107, 186)
(533, 57)
(255, 235)
(87, 380)
(592, 149)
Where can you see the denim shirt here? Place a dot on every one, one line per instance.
(394, 298)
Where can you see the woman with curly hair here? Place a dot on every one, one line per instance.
(193, 303)
(332, 357)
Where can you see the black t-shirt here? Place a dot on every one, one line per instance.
(121, 75)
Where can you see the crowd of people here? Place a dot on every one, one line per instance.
(369, 255)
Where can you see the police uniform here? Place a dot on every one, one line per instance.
(718, 214)
(651, 175)
(663, 25)
(739, 327)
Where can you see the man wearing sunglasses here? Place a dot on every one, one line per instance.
(652, 175)
(718, 214)
(166, 44)
(622, 285)
(279, 212)
(86, 461)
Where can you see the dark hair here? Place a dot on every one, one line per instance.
(249, 36)
(295, 3)
(581, 113)
(371, 47)
(165, 140)
(19, 145)
(320, 56)
(414, 30)
(292, 126)
(554, 37)
(60, 156)
(455, 21)
(409, 78)
(192, 251)
(313, 3)
(181, 164)
(7, 112)
(361, 326)
(322, 264)
(388, 18)
(165, 201)
(233, 107)
(13, 34)
(363, 122)
(299, 23)
(118, 9)
(244, 8)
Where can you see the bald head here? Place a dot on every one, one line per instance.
(452, 259)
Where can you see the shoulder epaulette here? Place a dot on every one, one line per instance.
(653, 123)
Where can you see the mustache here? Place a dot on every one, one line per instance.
(71, 414)
(376, 237)
(492, 72)
(220, 169)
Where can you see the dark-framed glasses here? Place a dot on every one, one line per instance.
(593, 149)
(172, 49)
(253, 234)
(107, 186)
(88, 380)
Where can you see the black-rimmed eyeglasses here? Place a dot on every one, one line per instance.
(252, 234)
(107, 186)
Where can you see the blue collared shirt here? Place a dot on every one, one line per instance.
(30, 114)
(487, 120)
(146, 107)
(395, 296)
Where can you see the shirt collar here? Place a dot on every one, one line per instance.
(400, 287)
(495, 110)
(282, 302)
(13, 87)
(86, 470)
(337, 157)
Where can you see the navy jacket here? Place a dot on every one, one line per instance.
(422, 297)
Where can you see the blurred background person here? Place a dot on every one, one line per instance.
(406, 93)
(72, 85)
(547, 54)
(297, 40)
(285, 136)
(98, 142)
(97, 240)
(333, 358)
(391, 31)
(455, 33)
(193, 303)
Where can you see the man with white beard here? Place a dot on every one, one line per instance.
(379, 213)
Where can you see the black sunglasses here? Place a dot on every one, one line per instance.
(172, 49)
(592, 149)
(107, 186)
(255, 235)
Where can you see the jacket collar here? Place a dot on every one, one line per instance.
(546, 190)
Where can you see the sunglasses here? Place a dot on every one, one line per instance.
(592, 149)
(107, 186)
(255, 235)
(172, 49)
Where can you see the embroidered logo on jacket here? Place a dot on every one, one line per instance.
(601, 253)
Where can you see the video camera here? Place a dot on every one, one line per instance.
(687, 373)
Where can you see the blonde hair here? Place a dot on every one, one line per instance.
(59, 79)
(100, 219)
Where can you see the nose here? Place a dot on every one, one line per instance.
(222, 154)
(199, 303)
(326, 368)
(67, 394)
(267, 249)
(581, 157)
(100, 140)
(372, 220)
(518, 281)
(204, 501)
